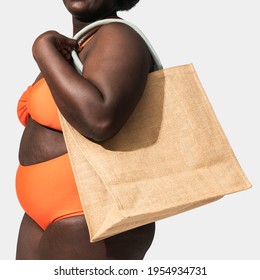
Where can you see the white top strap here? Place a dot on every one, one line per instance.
(78, 64)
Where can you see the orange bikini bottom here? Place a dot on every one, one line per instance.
(47, 191)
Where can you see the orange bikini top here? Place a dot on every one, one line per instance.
(37, 102)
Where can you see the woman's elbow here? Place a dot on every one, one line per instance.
(101, 131)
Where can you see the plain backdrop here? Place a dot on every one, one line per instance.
(221, 39)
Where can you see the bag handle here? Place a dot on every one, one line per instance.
(78, 64)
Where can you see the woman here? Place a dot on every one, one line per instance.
(116, 64)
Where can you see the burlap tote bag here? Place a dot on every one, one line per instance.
(171, 156)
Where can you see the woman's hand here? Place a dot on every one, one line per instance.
(61, 43)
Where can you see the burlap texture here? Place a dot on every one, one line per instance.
(171, 156)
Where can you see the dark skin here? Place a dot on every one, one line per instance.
(116, 65)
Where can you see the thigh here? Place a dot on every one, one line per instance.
(69, 239)
(30, 234)
(130, 245)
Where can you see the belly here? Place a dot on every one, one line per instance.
(47, 191)
(39, 144)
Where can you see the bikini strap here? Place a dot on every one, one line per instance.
(78, 64)
(85, 41)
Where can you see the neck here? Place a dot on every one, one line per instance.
(78, 24)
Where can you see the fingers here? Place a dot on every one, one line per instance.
(66, 46)
(66, 54)
(74, 45)
(69, 45)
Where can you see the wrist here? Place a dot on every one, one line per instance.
(45, 40)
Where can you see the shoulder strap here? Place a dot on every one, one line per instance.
(78, 64)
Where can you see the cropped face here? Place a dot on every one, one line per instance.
(90, 9)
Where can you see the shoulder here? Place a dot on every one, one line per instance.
(119, 47)
(122, 39)
(120, 31)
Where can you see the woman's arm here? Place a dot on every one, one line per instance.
(115, 71)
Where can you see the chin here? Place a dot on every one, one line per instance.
(90, 10)
(77, 7)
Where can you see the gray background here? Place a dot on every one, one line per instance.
(221, 39)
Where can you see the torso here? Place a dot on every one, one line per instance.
(39, 144)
